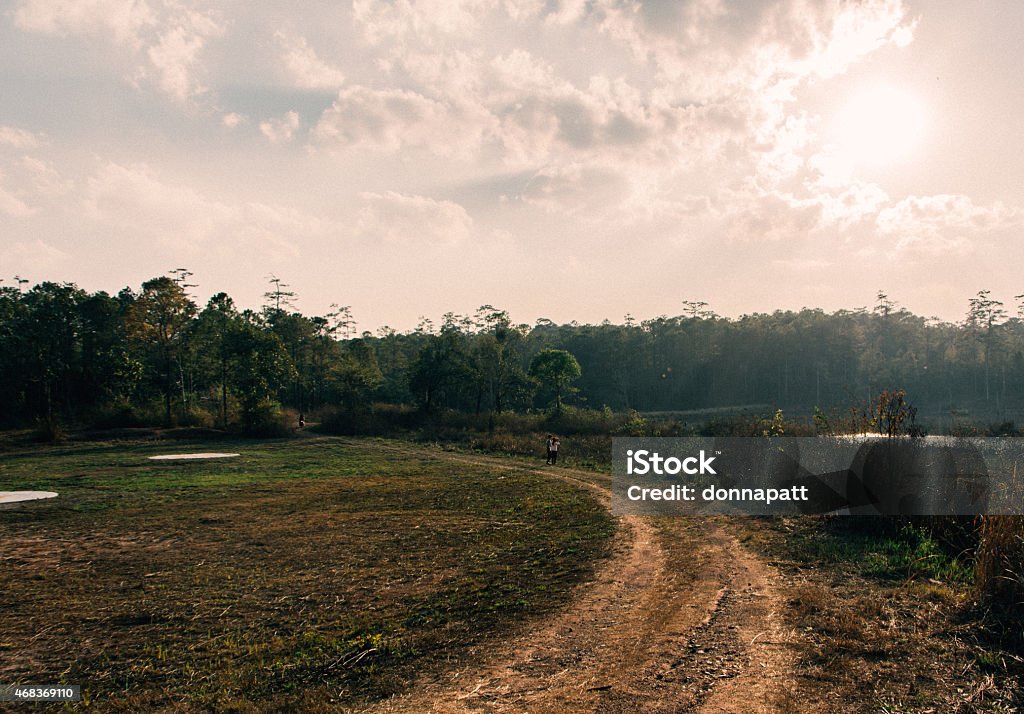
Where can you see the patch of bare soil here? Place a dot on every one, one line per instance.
(682, 618)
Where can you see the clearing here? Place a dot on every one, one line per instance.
(334, 574)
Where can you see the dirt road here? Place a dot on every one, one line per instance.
(681, 618)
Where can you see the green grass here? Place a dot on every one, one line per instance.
(910, 553)
(302, 567)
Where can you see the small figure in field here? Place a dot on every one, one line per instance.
(550, 441)
(555, 443)
(302, 421)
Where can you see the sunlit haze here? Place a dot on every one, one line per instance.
(880, 125)
(563, 159)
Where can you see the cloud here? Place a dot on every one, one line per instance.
(514, 108)
(134, 198)
(698, 124)
(42, 178)
(390, 120)
(936, 223)
(20, 139)
(281, 130)
(232, 120)
(773, 217)
(426, 20)
(575, 189)
(26, 181)
(854, 204)
(13, 206)
(413, 219)
(35, 256)
(164, 38)
(125, 21)
(304, 67)
(705, 46)
(175, 55)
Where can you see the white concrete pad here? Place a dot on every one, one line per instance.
(16, 496)
(177, 457)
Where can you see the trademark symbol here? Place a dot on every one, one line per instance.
(718, 453)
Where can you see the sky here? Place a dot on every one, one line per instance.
(561, 159)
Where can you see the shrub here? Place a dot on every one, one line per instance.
(775, 424)
(635, 425)
(574, 420)
(266, 419)
(1006, 428)
(49, 430)
(196, 416)
(122, 413)
(378, 420)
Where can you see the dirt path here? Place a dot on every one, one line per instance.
(681, 618)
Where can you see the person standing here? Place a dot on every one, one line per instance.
(550, 442)
(555, 443)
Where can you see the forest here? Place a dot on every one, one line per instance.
(153, 356)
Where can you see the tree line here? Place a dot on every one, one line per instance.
(154, 356)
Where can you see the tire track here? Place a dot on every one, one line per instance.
(681, 618)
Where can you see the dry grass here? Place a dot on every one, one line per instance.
(999, 571)
(871, 640)
(305, 575)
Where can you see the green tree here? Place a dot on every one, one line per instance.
(353, 375)
(984, 312)
(260, 367)
(556, 370)
(495, 361)
(158, 319)
(50, 334)
(110, 374)
(440, 368)
(212, 331)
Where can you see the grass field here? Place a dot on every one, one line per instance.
(305, 575)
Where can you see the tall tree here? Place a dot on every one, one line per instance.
(260, 367)
(158, 318)
(212, 333)
(440, 368)
(983, 313)
(51, 331)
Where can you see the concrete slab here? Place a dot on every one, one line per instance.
(184, 457)
(18, 496)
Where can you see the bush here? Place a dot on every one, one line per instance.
(267, 420)
(196, 416)
(573, 420)
(378, 420)
(49, 430)
(775, 424)
(1006, 428)
(634, 425)
(122, 413)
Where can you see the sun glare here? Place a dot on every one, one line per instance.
(880, 126)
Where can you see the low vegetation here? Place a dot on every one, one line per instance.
(885, 619)
(306, 574)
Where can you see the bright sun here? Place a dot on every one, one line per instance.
(879, 126)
